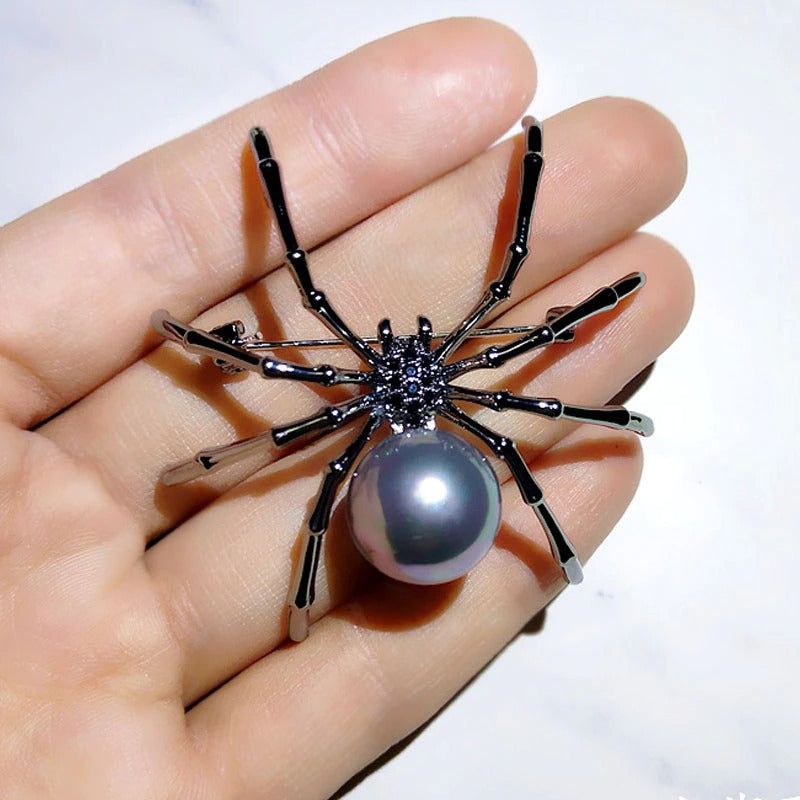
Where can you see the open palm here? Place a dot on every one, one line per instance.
(106, 641)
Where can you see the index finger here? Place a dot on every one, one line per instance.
(185, 225)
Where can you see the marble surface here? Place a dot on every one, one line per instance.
(671, 676)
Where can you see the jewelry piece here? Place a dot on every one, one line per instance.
(423, 505)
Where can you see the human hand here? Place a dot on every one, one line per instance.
(104, 643)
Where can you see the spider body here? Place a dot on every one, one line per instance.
(424, 505)
(409, 382)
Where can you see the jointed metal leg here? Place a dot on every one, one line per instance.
(385, 335)
(611, 416)
(210, 459)
(500, 290)
(328, 419)
(203, 343)
(301, 593)
(602, 300)
(424, 331)
(313, 299)
(563, 551)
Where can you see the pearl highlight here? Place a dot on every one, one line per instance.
(424, 506)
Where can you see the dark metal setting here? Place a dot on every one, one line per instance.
(409, 383)
(408, 378)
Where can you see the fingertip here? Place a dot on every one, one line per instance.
(681, 281)
(665, 141)
(412, 105)
(636, 147)
(622, 458)
(503, 50)
(660, 141)
(472, 71)
(670, 283)
(503, 69)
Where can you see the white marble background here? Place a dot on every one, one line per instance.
(673, 670)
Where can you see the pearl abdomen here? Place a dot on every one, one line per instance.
(424, 506)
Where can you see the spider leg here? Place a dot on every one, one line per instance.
(212, 458)
(329, 418)
(563, 551)
(203, 343)
(611, 416)
(424, 331)
(602, 300)
(313, 298)
(385, 335)
(500, 290)
(209, 459)
(301, 593)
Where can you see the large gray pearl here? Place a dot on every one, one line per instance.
(424, 506)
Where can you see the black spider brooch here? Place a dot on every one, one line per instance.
(423, 505)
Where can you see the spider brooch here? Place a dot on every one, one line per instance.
(423, 504)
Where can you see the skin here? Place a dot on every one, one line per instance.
(107, 642)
